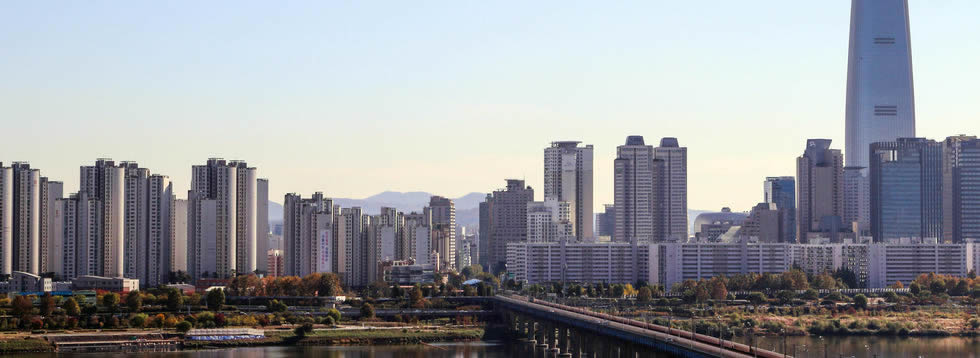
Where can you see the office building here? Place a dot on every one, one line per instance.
(819, 178)
(880, 105)
(503, 220)
(568, 177)
(961, 189)
(635, 193)
(670, 170)
(605, 222)
(764, 224)
(906, 189)
(782, 192)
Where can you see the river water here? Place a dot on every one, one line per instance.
(806, 347)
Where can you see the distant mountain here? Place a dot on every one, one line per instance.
(467, 206)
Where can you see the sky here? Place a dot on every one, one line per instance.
(357, 97)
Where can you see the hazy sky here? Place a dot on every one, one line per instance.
(356, 97)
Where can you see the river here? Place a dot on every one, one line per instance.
(806, 347)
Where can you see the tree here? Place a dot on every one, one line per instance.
(174, 299)
(22, 306)
(276, 306)
(861, 301)
(134, 302)
(303, 330)
(718, 289)
(138, 320)
(811, 294)
(71, 307)
(47, 304)
(215, 299)
(644, 295)
(184, 326)
(757, 298)
(914, 288)
(110, 301)
(334, 314)
(472, 270)
(416, 298)
(367, 311)
(376, 289)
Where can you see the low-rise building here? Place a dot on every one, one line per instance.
(114, 284)
(27, 282)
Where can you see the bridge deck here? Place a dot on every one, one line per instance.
(673, 340)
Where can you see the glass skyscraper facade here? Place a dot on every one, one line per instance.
(782, 192)
(906, 187)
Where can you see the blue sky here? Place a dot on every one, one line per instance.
(353, 98)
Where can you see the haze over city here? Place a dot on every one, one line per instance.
(354, 99)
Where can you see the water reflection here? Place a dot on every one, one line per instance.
(875, 346)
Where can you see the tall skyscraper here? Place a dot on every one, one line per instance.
(906, 189)
(782, 192)
(819, 177)
(880, 95)
(634, 192)
(961, 188)
(504, 221)
(179, 245)
(51, 192)
(223, 213)
(444, 231)
(568, 177)
(671, 180)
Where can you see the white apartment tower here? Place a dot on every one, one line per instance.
(104, 182)
(568, 177)
(222, 219)
(308, 229)
(549, 221)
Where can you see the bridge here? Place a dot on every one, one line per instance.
(554, 330)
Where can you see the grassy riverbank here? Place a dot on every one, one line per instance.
(24, 345)
(373, 336)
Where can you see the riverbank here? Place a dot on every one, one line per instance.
(342, 336)
(351, 337)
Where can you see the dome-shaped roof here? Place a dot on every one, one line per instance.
(725, 215)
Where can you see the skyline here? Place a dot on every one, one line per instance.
(598, 78)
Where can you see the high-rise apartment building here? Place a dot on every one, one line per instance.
(568, 177)
(549, 221)
(262, 233)
(503, 220)
(782, 192)
(635, 192)
(355, 247)
(105, 183)
(222, 219)
(961, 189)
(819, 177)
(179, 245)
(308, 228)
(880, 101)
(444, 231)
(6, 220)
(418, 234)
(906, 189)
